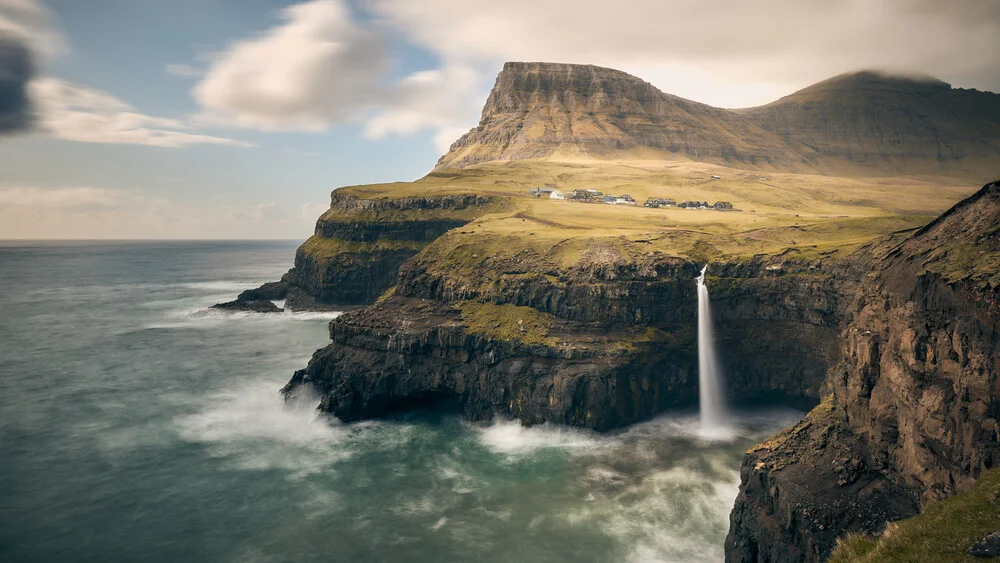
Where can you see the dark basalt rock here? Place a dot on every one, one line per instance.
(989, 546)
(251, 305)
(359, 245)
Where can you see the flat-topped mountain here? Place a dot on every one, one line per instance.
(536, 109)
(856, 123)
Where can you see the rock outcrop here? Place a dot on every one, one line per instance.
(912, 412)
(249, 305)
(359, 244)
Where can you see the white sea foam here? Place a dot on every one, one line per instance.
(220, 285)
(511, 437)
(256, 429)
(204, 317)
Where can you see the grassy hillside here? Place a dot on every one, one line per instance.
(942, 533)
(774, 211)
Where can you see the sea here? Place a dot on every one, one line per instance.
(137, 424)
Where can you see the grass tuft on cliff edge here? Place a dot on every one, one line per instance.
(507, 322)
(943, 532)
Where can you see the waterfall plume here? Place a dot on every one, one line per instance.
(711, 409)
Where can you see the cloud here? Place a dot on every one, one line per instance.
(79, 198)
(16, 70)
(311, 211)
(182, 70)
(445, 100)
(26, 36)
(269, 211)
(710, 49)
(31, 23)
(31, 212)
(319, 67)
(78, 113)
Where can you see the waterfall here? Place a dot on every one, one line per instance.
(712, 412)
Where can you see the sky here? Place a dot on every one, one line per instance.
(210, 119)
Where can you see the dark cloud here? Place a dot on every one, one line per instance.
(17, 68)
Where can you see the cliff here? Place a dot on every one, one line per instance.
(359, 245)
(912, 412)
(602, 343)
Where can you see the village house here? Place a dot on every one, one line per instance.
(657, 202)
(722, 205)
(541, 192)
(624, 199)
(556, 194)
(693, 205)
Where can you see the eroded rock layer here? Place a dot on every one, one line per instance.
(359, 244)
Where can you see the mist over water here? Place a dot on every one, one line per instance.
(138, 426)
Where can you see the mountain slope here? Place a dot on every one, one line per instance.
(865, 122)
(537, 108)
(879, 120)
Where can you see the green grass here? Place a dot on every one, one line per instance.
(808, 212)
(507, 322)
(326, 248)
(942, 533)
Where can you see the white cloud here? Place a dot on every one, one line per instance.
(710, 49)
(58, 198)
(322, 67)
(78, 113)
(446, 100)
(311, 211)
(31, 22)
(318, 68)
(31, 212)
(268, 211)
(187, 71)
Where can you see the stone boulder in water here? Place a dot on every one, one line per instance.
(251, 305)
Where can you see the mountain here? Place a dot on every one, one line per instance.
(538, 108)
(884, 121)
(855, 123)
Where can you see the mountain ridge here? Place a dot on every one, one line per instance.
(867, 122)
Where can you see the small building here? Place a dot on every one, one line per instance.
(556, 194)
(693, 205)
(624, 199)
(657, 202)
(541, 192)
(595, 193)
(723, 205)
(716, 177)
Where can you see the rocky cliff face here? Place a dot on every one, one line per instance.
(598, 344)
(912, 413)
(865, 121)
(359, 245)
